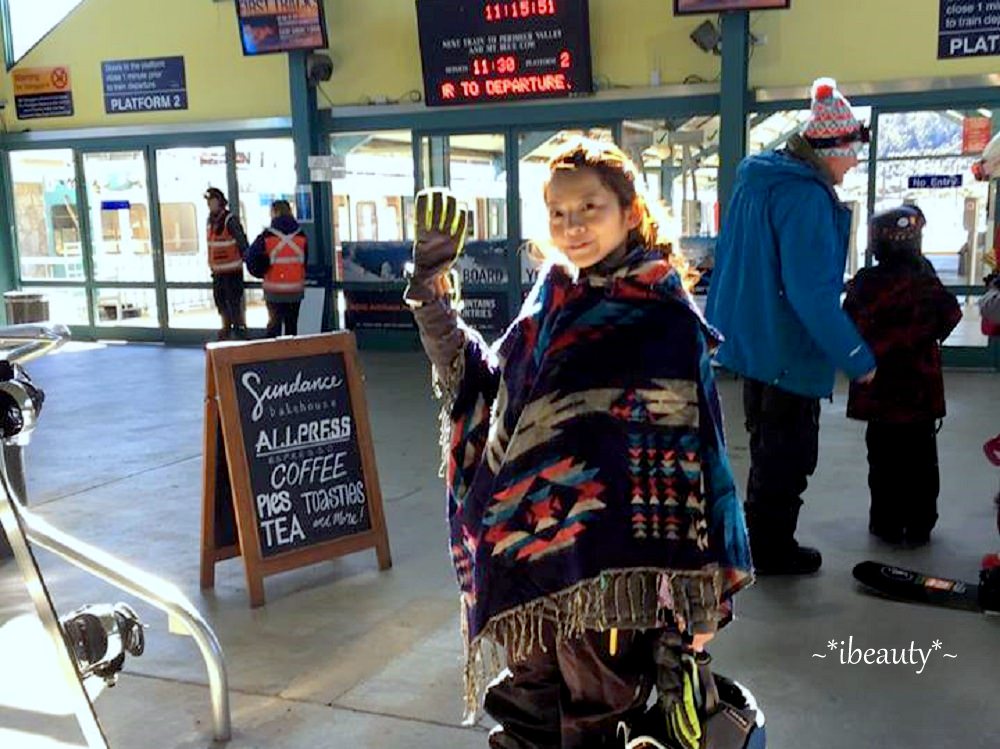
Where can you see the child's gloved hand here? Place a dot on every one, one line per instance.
(440, 234)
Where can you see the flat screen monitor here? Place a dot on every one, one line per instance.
(269, 26)
(697, 7)
(477, 52)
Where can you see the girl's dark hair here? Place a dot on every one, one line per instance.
(281, 208)
(619, 174)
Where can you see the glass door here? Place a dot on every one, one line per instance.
(182, 176)
(117, 198)
(371, 178)
(925, 159)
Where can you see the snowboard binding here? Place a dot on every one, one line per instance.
(724, 711)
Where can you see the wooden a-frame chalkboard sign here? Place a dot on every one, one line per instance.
(289, 472)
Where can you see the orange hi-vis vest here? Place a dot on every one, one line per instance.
(223, 252)
(287, 272)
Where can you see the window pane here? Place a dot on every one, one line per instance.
(118, 200)
(46, 220)
(183, 175)
(194, 309)
(132, 308)
(372, 204)
(679, 159)
(265, 170)
(66, 306)
(30, 20)
(968, 332)
(925, 161)
(919, 134)
(180, 228)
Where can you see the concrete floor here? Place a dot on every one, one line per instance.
(345, 656)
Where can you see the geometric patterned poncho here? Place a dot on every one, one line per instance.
(587, 479)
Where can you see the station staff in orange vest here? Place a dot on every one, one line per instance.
(227, 246)
(278, 256)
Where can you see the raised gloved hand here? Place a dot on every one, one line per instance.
(440, 234)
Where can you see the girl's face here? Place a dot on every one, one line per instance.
(586, 222)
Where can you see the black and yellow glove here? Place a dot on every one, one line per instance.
(684, 721)
(440, 226)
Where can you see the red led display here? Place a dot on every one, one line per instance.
(477, 51)
(519, 9)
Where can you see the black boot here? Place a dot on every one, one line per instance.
(889, 533)
(786, 559)
(772, 540)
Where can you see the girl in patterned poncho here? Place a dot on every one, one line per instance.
(595, 528)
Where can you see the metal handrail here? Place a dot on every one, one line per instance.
(165, 596)
(29, 342)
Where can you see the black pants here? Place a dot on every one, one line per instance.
(784, 447)
(572, 695)
(903, 477)
(282, 315)
(227, 288)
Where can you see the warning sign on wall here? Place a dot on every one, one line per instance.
(42, 92)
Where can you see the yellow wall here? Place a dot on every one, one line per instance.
(221, 83)
(376, 51)
(854, 41)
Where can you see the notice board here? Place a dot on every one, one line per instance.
(289, 474)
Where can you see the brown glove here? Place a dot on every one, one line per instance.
(440, 230)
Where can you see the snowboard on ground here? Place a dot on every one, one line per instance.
(907, 585)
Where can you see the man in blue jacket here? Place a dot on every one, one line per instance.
(775, 296)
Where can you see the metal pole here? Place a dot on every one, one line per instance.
(734, 101)
(11, 521)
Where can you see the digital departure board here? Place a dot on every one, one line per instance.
(475, 51)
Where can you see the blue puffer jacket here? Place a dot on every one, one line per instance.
(779, 274)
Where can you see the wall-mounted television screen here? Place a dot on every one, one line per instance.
(268, 26)
(696, 7)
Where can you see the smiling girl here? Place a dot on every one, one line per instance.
(595, 528)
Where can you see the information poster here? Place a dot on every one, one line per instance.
(968, 28)
(156, 84)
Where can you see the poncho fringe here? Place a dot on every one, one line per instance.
(615, 599)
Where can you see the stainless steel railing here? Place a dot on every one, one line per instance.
(20, 343)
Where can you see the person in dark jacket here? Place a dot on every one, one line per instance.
(904, 312)
(775, 297)
(227, 246)
(278, 256)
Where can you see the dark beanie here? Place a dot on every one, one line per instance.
(897, 232)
